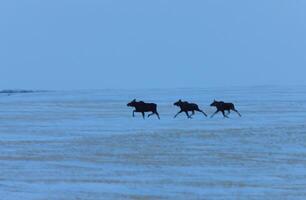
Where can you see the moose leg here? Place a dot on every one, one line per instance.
(224, 114)
(192, 113)
(237, 112)
(188, 115)
(143, 115)
(151, 114)
(202, 112)
(157, 114)
(134, 113)
(178, 114)
(214, 113)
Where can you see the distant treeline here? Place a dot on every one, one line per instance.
(18, 91)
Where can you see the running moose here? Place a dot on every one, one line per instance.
(186, 106)
(221, 107)
(143, 107)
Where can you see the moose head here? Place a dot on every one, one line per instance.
(178, 103)
(132, 103)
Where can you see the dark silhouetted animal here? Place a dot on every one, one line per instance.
(186, 106)
(143, 107)
(221, 106)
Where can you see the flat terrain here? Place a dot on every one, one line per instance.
(85, 145)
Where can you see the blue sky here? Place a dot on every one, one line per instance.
(73, 44)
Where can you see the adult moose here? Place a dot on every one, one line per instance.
(186, 106)
(143, 107)
(222, 106)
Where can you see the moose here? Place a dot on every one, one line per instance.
(222, 106)
(143, 107)
(186, 106)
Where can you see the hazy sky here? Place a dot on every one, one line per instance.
(92, 44)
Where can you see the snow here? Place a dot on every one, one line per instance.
(86, 145)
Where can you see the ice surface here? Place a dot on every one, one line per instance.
(70, 145)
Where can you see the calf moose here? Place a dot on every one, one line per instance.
(143, 107)
(186, 106)
(221, 106)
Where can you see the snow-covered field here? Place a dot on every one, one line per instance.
(85, 145)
